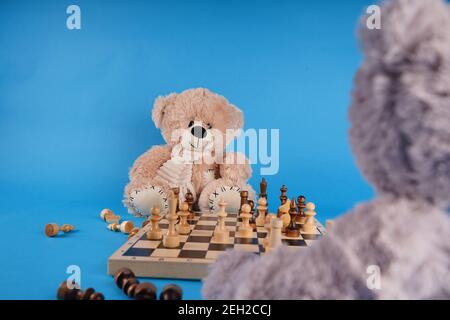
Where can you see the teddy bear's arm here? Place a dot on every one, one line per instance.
(145, 167)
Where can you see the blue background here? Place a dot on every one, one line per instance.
(75, 113)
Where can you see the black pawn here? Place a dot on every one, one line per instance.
(171, 292)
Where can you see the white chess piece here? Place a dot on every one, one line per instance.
(221, 234)
(275, 234)
(155, 232)
(262, 208)
(310, 223)
(245, 230)
(184, 227)
(172, 239)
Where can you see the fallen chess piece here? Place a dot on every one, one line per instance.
(130, 285)
(171, 292)
(52, 229)
(108, 215)
(124, 227)
(66, 293)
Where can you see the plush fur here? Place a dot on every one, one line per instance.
(174, 112)
(400, 134)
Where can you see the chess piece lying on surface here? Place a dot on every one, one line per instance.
(130, 285)
(124, 227)
(52, 229)
(400, 129)
(66, 293)
(108, 215)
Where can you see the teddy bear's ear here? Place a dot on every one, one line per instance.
(159, 107)
(236, 120)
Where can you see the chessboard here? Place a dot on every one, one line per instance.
(149, 258)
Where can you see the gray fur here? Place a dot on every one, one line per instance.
(400, 134)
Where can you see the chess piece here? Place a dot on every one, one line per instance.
(245, 230)
(176, 192)
(275, 234)
(155, 232)
(244, 200)
(301, 203)
(124, 227)
(133, 232)
(126, 280)
(189, 198)
(263, 189)
(52, 229)
(292, 230)
(184, 227)
(172, 239)
(221, 234)
(66, 293)
(171, 292)
(283, 213)
(310, 223)
(268, 227)
(262, 208)
(252, 221)
(109, 216)
(283, 196)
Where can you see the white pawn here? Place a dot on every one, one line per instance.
(275, 234)
(310, 223)
(155, 232)
(221, 234)
(246, 230)
(172, 239)
(262, 208)
(184, 227)
(268, 227)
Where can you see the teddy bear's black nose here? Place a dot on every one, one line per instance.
(198, 132)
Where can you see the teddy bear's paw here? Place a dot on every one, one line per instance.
(224, 189)
(140, 201)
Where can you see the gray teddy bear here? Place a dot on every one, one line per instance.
(400, 135)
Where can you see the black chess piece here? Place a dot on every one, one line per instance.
(130, 285)
(66, 293)
(171, 292)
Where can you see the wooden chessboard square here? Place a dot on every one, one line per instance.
(308, 236)
(211, 228)
(192, 254)
(208, 218)
(147, 244)
(230, 223)
(161, 245)
(261, 229)
(202, 233)
(245, 240)
(294, 242)
(196, 246)
(138, 252)
(220, 246)
(230, 241)
(206, 223)
(247, 247)
(201, 239)
(212, 255)
(261, 234)
(166, 253)
(231, 228)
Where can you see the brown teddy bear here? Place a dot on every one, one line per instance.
(197, 125)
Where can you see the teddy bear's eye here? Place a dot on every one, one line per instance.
(191, 123)
(209, 125)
